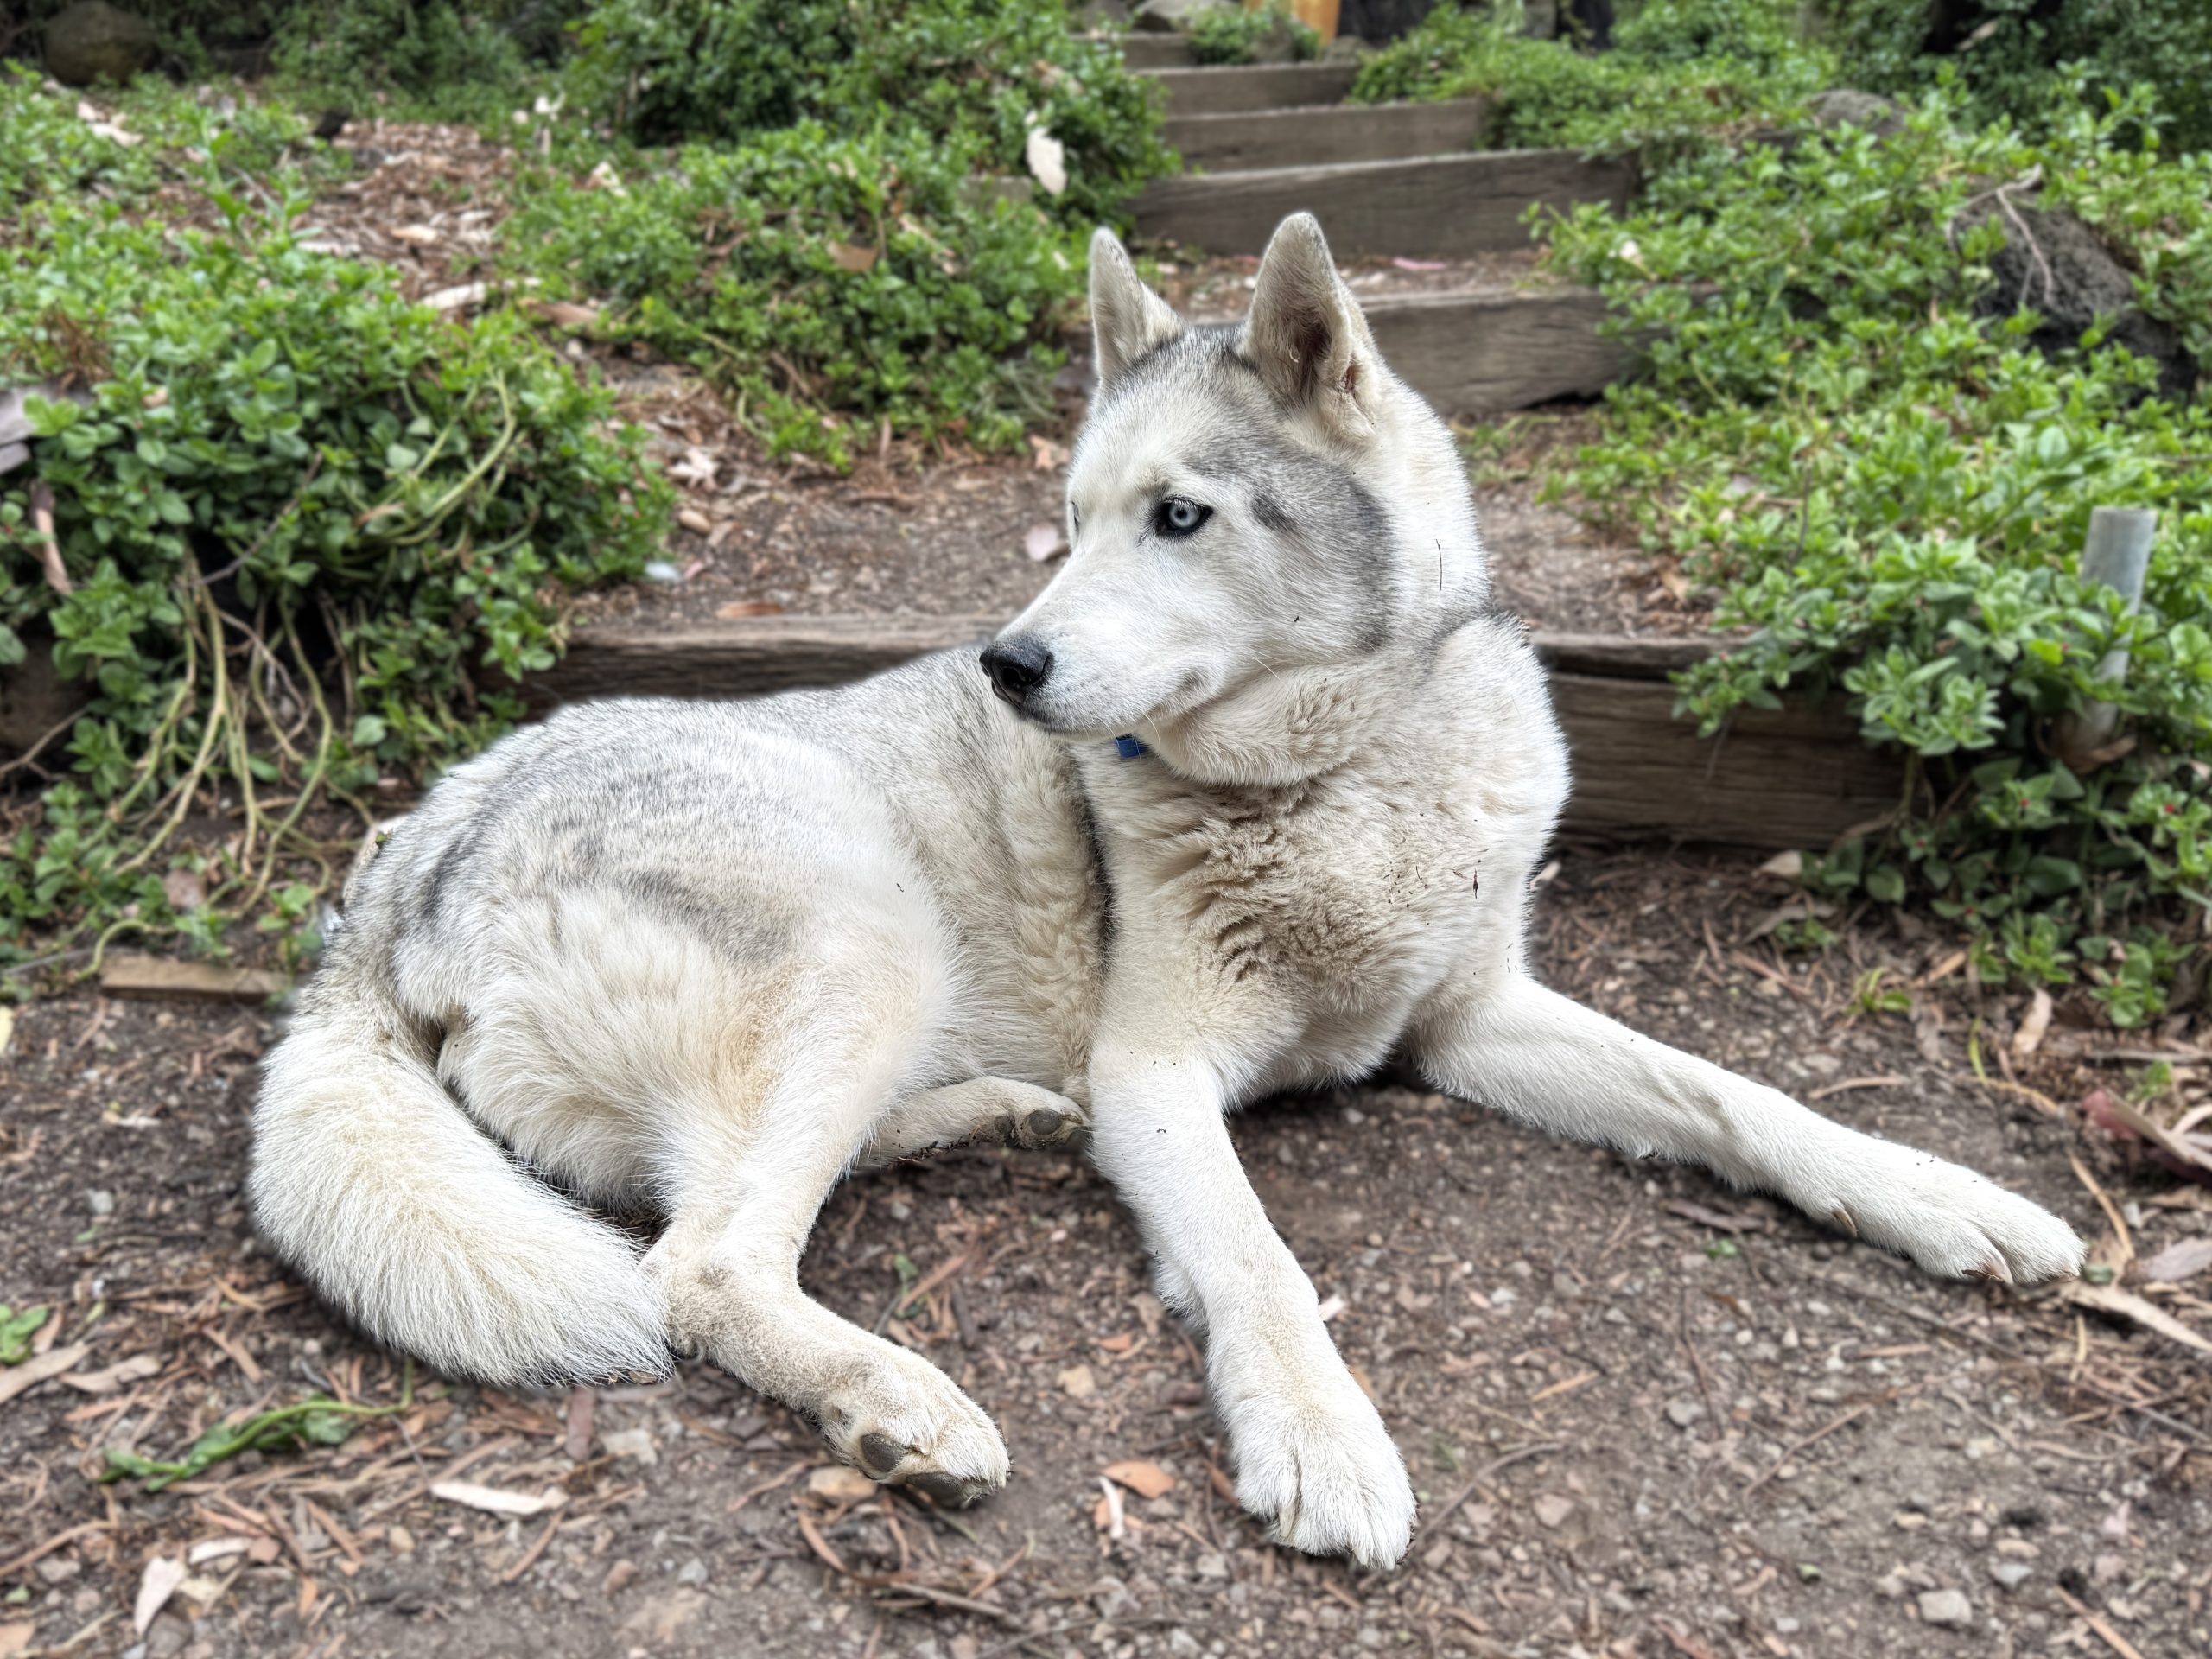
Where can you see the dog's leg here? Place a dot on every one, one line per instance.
(1312, 1455)
(730, 1266)
(983, 1108)
(1549, 1060)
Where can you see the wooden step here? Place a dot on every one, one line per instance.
(1157, 52)
(1432, 207)
(1792, 777)
(1344, 132)
(1237, 88)
(1481, 352)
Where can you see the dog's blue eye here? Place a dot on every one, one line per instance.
(1176, 517)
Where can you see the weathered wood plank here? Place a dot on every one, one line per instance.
(1229, 89)
(1479, 351)
(1157, 52)
(1793, 779)
(1796, 778)
(1347, 132)
(127, 975)
(1429, 207)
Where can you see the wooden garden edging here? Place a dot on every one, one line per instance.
(1797, 777)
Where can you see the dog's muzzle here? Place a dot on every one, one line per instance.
(1017, 668)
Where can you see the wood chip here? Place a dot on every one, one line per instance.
(1144, 1478)
(493, 1500)
(1078, 1383)
(841, 1485)
(2033, 1024)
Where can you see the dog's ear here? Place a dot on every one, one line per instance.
(1127, 319)
(1306, 334)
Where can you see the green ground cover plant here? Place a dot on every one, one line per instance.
(839, 285)
(2004, 55)
(1891, 488)
(1232, 33)
(863, 219)
(289, 532)
(1681, 74)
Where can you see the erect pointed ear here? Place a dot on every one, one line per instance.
(1127, 318)
(1306, 334)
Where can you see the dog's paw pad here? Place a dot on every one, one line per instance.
(948, 1491)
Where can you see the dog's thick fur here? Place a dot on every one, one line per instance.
(711, 954)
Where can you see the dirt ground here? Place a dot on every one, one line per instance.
(1646, 1415)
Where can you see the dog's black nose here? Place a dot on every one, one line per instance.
(1017, 667)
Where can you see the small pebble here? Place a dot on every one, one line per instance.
(1947, 1607)
(2011, 1574)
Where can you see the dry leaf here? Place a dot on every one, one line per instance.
(1790, 866)
(694, 520)
(16, 1379)
(1078, 1381)
(2033, 1024)
(850, 257)
(1048, 161)
(2185, 1259)
(185, 889)
(841, 1485)
(216, 1550)
(458, 299)
(421, 235)
(565, 313)
(737, 608)
(1044, 542)
(697, 466)
(1144, 1479)
(163, 1573)
(137, 1369)
(2110, 1299)
(15, 1638)
(493, 1500)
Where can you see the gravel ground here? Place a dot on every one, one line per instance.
(1646, 1416)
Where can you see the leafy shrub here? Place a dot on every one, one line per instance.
(1891, 489)
(310, 533)
(1682, 70)
(869, 276)
(979, 74)
(1231, 33)
(443, 58)
(2011, 70)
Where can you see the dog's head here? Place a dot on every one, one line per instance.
(1249, 503)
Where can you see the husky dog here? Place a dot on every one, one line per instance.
(1249, 797)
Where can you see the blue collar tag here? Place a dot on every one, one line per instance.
(1127, 747)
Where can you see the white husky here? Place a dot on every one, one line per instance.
(1250, 796)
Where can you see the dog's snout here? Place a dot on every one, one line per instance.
(1017, 667)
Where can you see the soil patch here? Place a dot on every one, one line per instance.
(1647, 1415)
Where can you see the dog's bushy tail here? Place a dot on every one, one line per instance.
(371, 1179)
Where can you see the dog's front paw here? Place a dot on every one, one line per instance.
(1957, 1224)
(906, 1424)
(1316, 1464)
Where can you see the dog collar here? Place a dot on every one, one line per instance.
(1128, 748)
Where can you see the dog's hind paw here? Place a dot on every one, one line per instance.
(1060, 1123)
(1319, 1467)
